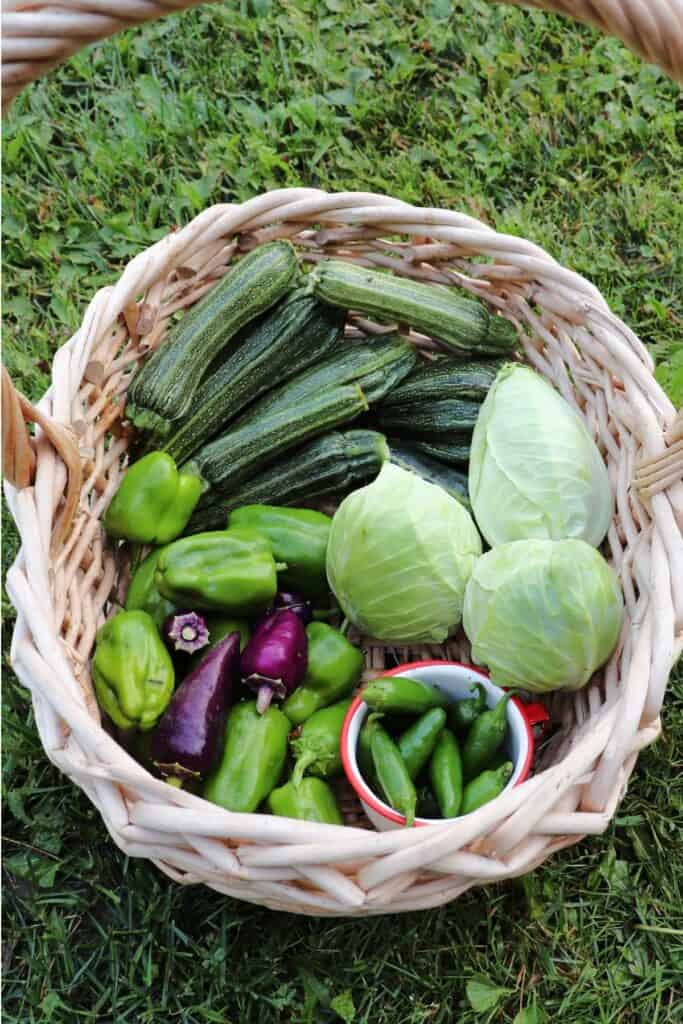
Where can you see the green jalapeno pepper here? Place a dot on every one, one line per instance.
(392, 774)
(498, 759)
(154, 501)
(364, 753)
(132, 671)
(334, 668)
(298, 537)
(227, 570)
(445, 773)
(143, 594)
(418, 741)
(486, 734)
(485, 787)
(219, 627)
(402, 695)
(462, 713)
(253, 758)
(317, 747)
(310, 800)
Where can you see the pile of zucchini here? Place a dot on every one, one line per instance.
(252, 386)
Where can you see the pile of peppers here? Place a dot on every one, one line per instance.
(448, 762)
(220, 674)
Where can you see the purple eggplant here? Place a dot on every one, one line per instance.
(294, 603)
(185, 631)
(187, 741)
(274, 661)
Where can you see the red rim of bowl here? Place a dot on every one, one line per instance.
(365, 793)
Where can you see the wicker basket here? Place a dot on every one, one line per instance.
(65, 573)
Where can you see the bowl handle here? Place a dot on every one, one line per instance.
(535, 713)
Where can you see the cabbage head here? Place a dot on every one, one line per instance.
(535, 471)
(542, 614)
(399, 555)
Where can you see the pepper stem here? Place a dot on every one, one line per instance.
(264, 697)
(301, 765)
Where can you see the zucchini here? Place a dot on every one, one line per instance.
(440, 419)
(330, 465)
(465, 325)
(242, 451)
(452, 453)
(453, 482)
(377, 365)
(279, 344)
(163, 390)
(445, 379)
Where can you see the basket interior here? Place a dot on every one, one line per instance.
(91, 576)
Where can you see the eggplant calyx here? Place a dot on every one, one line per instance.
(266, 688)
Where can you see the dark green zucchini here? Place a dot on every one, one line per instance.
(241, 452)
(163, 390)
(452, 453)
(443, 419)
(464, 324)
(433, 472)
(377, 365)
(445, 379)
(299, 331)
(330, 465)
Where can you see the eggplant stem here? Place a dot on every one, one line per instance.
(264, 697)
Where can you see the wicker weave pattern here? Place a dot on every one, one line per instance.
(571, 337)
(39, 36)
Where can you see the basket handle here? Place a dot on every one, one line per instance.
(37, 37)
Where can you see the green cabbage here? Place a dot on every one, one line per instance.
(535, 472)
(399, 556)
(541, 614)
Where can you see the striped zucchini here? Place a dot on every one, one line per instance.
(242, 451)
(164, 389)
(281, 343)
(443, 419)
(330, 465)
(452, 453)
(464, 324)
(433, 472)
(381, 363)
(445, 379)
(323, 397)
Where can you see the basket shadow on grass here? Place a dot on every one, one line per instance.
(596, 933)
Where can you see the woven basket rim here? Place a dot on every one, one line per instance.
(322, 869)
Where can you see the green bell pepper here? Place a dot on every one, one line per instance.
(334, 668)
(231, 571)
(132, 671)
(154, 502)
(311, 800)
(142, 592)
(253, 758)
(317, 747)
(298, 537)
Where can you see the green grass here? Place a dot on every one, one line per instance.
(535, 126)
